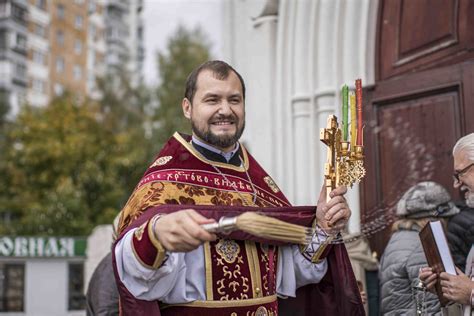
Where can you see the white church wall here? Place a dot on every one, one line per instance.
(295, 63)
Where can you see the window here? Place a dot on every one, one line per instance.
(40, 30)
(38, 85)
(59, 64)
(77, 72)
(140, 32)
(18, 13)
(60, 11)
(21, 41)
(41, 4)
(78, 21)
(39, 57)
(3, 39)
(78, 46)
(20, 70)
(76, 299)
(58, 89)
(92, 30)
(60, 37)
(12, 287)
(3, 8)
(92, 7)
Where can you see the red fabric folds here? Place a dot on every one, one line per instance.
(337, 294)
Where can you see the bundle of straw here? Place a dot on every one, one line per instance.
(264, 227)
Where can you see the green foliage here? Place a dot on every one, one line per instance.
(70, 166)
(186, 50)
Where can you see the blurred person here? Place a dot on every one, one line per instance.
(458, 288)
(102, 298)
(461, 226)
(167, 264)
(404, 256)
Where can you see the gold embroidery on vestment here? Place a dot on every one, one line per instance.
(245, 284)
(233, 285)
(227, 273)
(236, 271)
(208, 263)
(139, 231)
(220, 289)
(254, 267)
(228, 249)
(161, 161)
(271, 184)
(228, 303)
(261, 311)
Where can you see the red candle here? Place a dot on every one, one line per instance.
(358, 85)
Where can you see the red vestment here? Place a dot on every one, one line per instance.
(181, 178)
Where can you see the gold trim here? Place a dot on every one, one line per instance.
(232, 303)
(208, 264)
(254, 268)
(199, 156)
(319, 252)
(161, 251)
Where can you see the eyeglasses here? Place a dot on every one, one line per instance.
(459, 173)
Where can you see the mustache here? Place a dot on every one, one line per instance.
(222, 118)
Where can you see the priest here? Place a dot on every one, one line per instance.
(166, 263)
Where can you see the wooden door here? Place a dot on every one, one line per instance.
(422, 102)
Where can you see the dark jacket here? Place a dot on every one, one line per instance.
(461, 235)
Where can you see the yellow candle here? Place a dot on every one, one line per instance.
(352, 101)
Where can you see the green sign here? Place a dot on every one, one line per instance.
(42, 247)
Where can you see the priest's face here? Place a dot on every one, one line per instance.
(217, 111)
(464, 168)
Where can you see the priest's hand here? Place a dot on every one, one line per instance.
(181, 231)
(457, 288)
(332, 216)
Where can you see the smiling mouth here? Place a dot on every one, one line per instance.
(221, 123)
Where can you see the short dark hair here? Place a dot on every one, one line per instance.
(221, 71)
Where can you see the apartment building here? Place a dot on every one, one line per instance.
(13, 51)
(68, 55)
(124, 37)
(48, 47)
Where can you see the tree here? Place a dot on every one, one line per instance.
(186, 50)
(71, 165)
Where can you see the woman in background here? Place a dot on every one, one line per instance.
(403, 257)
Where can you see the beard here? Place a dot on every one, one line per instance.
(222, 141)
(468, 195)
(470, 199)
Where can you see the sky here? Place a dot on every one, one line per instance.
(162, 17)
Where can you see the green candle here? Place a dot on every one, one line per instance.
(345, 106)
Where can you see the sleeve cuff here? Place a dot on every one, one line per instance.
(146, 247)
(318, 249)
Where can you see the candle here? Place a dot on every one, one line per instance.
(358, 85)
(345, 131)
(352, 100)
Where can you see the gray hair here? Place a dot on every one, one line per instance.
(465, 144)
